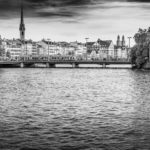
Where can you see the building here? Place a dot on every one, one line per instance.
(79, 48)
(66, 48)
(89, 47)
(101, 49)
(2, 49)
(30, 48)
(13, 48)
(46, 47)
(121, 50)
(105, 49)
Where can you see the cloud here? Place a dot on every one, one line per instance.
(47, 8)
(54, 8)
(38, 8)
(147, 1)
(75, 19)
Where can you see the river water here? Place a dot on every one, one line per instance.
(74, 109)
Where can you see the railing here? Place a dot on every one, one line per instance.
(66, 59)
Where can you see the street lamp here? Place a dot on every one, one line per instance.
(48, 45)
(129, 46)
(26, 48)
(129, 40)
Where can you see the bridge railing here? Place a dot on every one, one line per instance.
(61, 59)
(55, 61)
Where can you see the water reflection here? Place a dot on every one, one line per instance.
(74, 109)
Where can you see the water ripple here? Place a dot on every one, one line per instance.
(57, 109)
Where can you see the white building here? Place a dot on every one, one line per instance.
(2, 49)
(29, 48)
(79, 48)
(13, 48)
(103, 49)
(48, 48)
(66, 48)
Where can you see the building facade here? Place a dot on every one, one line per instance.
(2, 49)
(30, 48)
(101, 49)
(13, 48)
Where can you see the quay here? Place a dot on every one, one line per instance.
(53, 63)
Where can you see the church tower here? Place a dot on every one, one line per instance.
(118, 41)
(22, 25)
(123, 41)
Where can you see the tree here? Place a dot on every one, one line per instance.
(140, 52)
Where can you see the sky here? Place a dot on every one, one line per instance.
(71, 20)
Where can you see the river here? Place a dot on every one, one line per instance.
(74, 109)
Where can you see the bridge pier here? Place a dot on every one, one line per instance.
(47, 65)
(104, 66)
(75, 65)
(22, 65)
(52, 65)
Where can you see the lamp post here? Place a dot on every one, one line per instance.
(48, 45)
(128, 52)
(26, 48)
(129, 41)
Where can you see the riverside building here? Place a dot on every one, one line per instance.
(79, 48)
(29, 48)
(13, 48)
(101, 49)
(46, 47)
(2, 49)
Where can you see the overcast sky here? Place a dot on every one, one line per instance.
(70, 20)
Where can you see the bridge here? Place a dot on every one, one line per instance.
(53, 63)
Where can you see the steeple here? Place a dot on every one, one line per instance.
(123, 41)
(22, 25)
(118, 41)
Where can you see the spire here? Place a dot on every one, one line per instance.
(123, 41)
(123, 38)
(22, 16)
(22, 25)
(118, 41)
